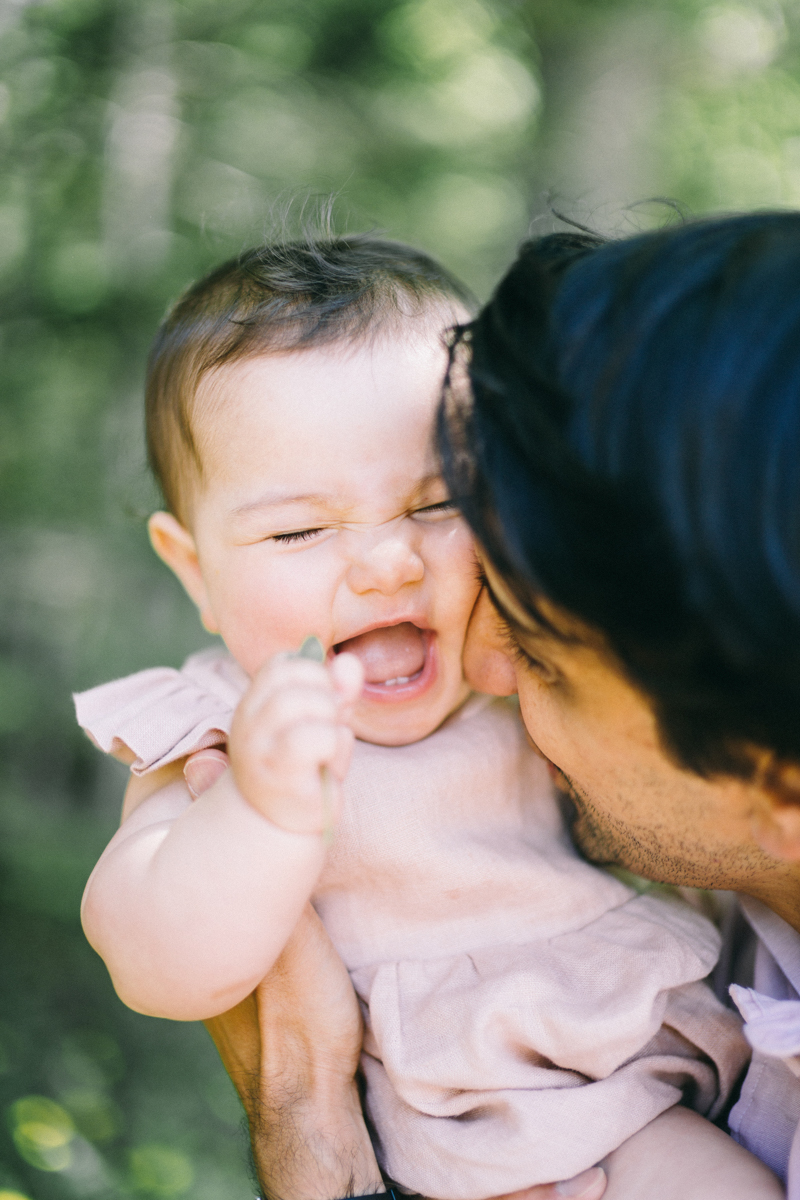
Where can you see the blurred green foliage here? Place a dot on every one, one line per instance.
(142, 142)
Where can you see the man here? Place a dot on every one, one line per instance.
(628, 455)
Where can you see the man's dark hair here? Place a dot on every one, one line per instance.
(632, 453)
(279, 297)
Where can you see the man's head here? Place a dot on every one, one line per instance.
(291, 401)
(630, 462)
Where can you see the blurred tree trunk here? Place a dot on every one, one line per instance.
(602, 70)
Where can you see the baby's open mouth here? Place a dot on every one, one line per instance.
(392, 656)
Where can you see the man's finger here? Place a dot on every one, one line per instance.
(202, 770)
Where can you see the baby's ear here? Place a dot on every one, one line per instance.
(174, 544)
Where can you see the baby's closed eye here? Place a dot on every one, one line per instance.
(297, 535)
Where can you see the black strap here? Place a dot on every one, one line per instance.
(389, 1194)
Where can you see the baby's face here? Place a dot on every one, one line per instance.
(322, 512)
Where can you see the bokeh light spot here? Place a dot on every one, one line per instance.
(160, 1170)
(433, 30)
(740, 37)
(42, 1132)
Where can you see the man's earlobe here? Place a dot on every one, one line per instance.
(776, 818)
(174, 544)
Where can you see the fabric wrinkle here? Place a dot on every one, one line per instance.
(525, 1012)
(766, 1116)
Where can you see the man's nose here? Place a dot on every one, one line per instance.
(385, 564)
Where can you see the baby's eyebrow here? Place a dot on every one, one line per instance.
(282, 500)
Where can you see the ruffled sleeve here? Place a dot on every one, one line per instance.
(771, 1026)
(161, 715)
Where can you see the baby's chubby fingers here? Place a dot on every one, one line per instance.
(289, 740)
(347, 675)
(282, 671)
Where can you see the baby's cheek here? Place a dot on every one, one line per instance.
(453, 561)
(271, 612)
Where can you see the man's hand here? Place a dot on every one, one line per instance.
(292, 1050)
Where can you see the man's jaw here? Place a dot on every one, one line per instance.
(590, 836)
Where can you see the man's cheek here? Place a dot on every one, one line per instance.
(545, 731)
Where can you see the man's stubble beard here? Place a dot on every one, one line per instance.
(606, 841)
(601, 840)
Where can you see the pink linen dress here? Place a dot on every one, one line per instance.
(525, 1012)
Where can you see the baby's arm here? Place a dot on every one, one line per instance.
(192, 902)
(681, 1156)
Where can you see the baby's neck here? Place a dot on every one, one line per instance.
(454, 711)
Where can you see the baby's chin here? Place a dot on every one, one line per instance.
(413, 681)
(405, 723)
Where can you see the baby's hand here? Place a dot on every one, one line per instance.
(290, 745)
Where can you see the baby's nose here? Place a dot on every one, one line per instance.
(385, 566)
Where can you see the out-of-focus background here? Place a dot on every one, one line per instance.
(142, 142)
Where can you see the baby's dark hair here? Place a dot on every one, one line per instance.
(281, 297)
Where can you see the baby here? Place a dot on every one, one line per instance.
(525, 1012)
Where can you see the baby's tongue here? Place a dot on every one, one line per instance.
(388, 654)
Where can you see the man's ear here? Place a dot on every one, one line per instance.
(174, 544)
(775, 821)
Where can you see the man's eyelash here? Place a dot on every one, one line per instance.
(519, 653)
(523, 657)
(301, 535)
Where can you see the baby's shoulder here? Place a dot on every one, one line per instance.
(162, 714)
